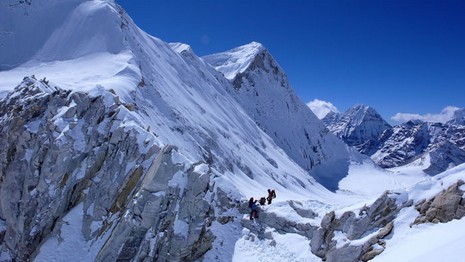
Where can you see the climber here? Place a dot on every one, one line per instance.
(271, 195)
(253, 208)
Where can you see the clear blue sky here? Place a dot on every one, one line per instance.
(396, 55)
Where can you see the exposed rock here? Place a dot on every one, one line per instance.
(344, 254)
(371, 254)
(306, 213)
(376, 218)
(280, 224)
(444, 207)
(65, 148)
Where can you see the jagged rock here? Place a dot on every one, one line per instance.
(444, 207)
(278, 223)
(379, 216)
(59, 147)
(385, 230)
(371, 254)
(225, 219)
(65, 150)
(328, 219)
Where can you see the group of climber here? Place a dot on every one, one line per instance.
(253, 203)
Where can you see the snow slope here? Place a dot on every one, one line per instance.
(427, 242)
(94, 47)
(262, 88)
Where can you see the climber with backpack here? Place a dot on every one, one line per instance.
(271, 195)
(253, 208)
(262, 201)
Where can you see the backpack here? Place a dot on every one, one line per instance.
(262, 201)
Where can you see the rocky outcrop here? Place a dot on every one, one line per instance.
(64, 150)
(280, 224)
(61, 149)
(348, 237)
(444, 207)
(164, 222)
(333, 241)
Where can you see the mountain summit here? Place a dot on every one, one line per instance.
(262, 88)
(360, 126)
(139, 144)
(235, 61)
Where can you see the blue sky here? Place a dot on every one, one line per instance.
(398, 56)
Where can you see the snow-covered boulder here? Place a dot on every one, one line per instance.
(447, 205)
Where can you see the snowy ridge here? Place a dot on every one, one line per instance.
(176, 99)
(39, 35)
(400, 239)
(263, 90)
(129, 147)
(236, 60)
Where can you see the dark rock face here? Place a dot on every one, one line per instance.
(406, 142)
(444, 207)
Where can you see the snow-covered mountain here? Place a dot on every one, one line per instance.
(111, 126)
(436, 146)
(360, 126)
(263, 90)
(119, 146)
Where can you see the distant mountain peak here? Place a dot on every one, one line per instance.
(360, 126)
